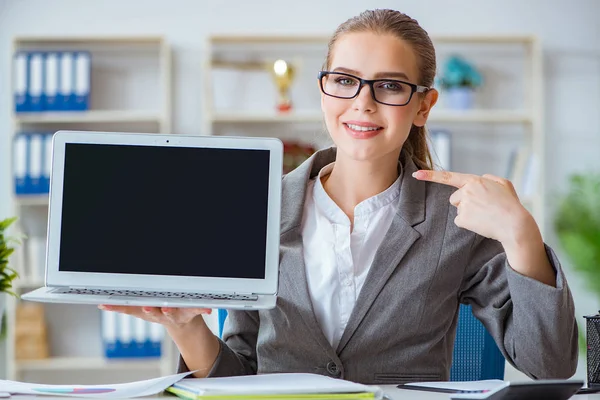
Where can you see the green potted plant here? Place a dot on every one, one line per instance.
(577, 224)
(7, 274)
(458, 80)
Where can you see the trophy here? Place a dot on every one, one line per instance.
(283, 74)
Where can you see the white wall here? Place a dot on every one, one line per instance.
(569, 31)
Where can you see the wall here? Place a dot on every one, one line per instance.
(569, 32)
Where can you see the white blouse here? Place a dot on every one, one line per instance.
(337, 260)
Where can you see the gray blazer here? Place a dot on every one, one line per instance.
(404, 323)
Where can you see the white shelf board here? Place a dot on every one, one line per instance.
(262, 116)
(88, 40)
(87, 363)
(93, 116)
(32, 199)
(493, 116)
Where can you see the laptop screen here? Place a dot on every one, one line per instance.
(155, 210)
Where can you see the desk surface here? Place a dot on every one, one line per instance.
(391, 391)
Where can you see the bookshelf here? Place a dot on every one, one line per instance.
(130, 92)
(239, 98)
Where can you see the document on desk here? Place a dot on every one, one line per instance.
(287, 385)
(454, 387)
(116, 391)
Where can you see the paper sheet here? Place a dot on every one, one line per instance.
(488, 384)
(121, 390)
(273, 384)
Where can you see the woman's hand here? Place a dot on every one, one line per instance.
(489, 206)
(168, 317)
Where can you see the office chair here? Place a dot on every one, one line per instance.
(475, 355)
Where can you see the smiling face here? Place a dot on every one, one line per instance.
(361, 128)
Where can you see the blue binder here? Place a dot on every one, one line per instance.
(82, 81)
(20, 162)
(66, 91)
(46, 163)
(51, 81)
(36, 81)
(35, 159)
(21, 86)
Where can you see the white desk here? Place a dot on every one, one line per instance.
(391, 391)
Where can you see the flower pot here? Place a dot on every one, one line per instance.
(460, 98)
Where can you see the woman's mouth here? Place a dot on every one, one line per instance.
(363, 130)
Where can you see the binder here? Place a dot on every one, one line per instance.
(139, 337)
(36, 144)
(47, 163)
(441, 149)
(21, 71)
(51, 82)
(82, 81)
(124, 335)
(109, 333)
(155, 339)
(66, 92)
(36, 81)
(20, 146)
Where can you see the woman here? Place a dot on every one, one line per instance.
(378, 250)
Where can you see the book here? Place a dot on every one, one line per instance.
(285, 385)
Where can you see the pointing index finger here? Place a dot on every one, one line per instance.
(455, 179)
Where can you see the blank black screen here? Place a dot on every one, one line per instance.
(164, 210)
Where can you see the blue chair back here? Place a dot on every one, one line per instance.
(475, 355)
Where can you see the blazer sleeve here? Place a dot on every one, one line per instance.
(533, 323)
(237, 355)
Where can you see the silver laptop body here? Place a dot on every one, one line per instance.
(163, 220)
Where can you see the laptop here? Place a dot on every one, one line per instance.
(163, 220)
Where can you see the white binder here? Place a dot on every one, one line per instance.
(20, 145)
(21, 77)
(51, 79)
(66, 86)
(36, 153)
(82, 80)
(36, 81)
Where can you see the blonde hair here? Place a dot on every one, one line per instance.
(402, 26)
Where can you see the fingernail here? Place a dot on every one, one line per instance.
(414, 174)
(146, 309)
(101, 307)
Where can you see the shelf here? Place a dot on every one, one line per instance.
(493, 116)
(94, 116)
(484, 116)
(87, 363)
(262, 116)
(32, 199)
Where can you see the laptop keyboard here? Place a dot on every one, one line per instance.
(164, 295)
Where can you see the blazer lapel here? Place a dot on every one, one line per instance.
(294, 275)
(396, 243)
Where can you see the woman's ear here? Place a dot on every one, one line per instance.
(425, 105)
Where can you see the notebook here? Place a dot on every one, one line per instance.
(163, 220)
(274, 386)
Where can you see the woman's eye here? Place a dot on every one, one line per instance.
(391, 86)
(345, 81)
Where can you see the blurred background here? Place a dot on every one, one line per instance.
(520, 98)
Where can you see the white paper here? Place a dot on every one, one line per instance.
(273, 384)
(121, 390)
(488, 384)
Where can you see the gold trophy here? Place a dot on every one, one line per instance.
(283, 74)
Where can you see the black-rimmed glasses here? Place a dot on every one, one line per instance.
(390, 92)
